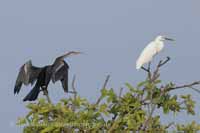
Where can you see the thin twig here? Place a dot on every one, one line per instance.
(73, 86)
(182, 86)
(146, 123)
(149, 73)
(120, 92)
(75, 93)
(198, 91)
(169, 125)
(106, 82)
(149, 66)
(163, 63)
(156, 72)
(103, 87)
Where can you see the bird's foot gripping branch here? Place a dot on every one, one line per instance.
(133, 109)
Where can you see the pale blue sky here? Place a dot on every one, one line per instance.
(112, 33)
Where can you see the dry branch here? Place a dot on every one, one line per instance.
(73, 86)
(182, 86)
(75, 93)
(103, 87)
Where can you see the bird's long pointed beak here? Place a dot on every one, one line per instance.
(81, 53)
(68, 54)
(78, 53)
(169, 39)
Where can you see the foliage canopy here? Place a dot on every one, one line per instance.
(131, 110)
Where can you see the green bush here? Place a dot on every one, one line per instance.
(131, 110)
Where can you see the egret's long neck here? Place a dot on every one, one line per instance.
(159, 45)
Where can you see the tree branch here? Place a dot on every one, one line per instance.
(74, 90)
(198, 91)
(182, 86)
(120, 92)
(103, 87)
(151, 107)
(156, 72)
(73, 86)
(164, 62)
(169, 125)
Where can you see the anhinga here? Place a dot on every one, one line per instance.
(28, 74)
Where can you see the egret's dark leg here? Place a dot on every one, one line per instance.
(148, 70)
(145, 69)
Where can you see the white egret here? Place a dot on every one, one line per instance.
(151, 50)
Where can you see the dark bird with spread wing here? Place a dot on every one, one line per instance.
(28, 74)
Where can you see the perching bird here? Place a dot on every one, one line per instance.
(28, 74)
(151, 50)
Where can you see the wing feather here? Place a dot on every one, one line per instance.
(146, 55)
(60, 72)
(27, 75)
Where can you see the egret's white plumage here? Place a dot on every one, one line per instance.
(151, 50)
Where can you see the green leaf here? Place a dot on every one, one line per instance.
(32, 106)
(42, 101)
(21, 121)
(44, 110)
(103, 108)
(142, 84)
(129, 86)
(48, 129)
(157, 81)
(104, 92)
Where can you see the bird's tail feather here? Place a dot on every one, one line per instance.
(17, 88)
(33, 94)
(138, 65)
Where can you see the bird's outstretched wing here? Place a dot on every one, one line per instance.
(60, 69)
(60, 72)
(27, 75)
(60, 58)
